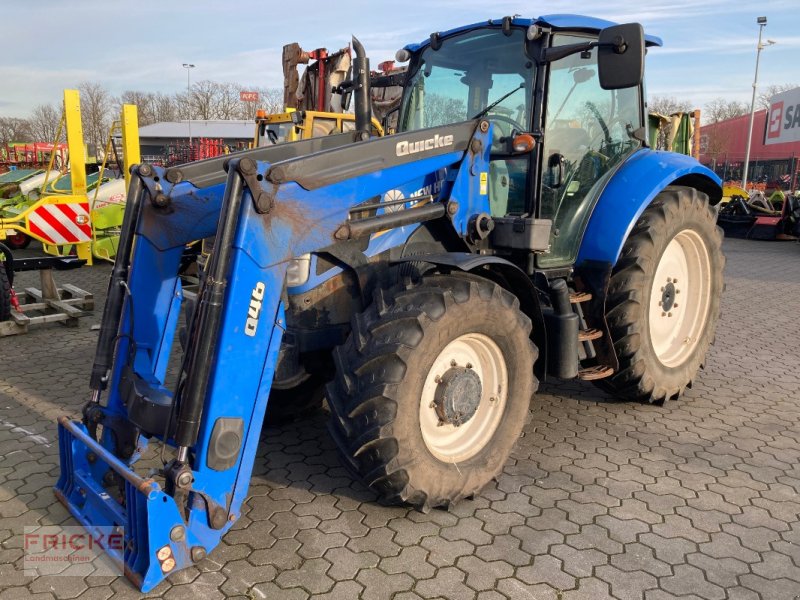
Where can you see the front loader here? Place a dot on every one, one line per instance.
(517, 227)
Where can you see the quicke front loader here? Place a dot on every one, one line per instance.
(517, 227)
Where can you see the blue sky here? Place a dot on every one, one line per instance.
(709, 46)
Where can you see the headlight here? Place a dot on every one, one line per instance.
(298, 271)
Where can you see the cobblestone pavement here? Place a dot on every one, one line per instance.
(602, 499)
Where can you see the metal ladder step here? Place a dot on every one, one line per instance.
(596, 372)
(578, 297)
(587, 335)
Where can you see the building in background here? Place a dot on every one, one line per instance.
(775, 149)
(168, 142)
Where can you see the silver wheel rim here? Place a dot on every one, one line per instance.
(450, 443)
(680, 298)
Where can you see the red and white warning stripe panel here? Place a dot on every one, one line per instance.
(61, 223)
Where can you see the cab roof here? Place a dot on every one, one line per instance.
(558, 22)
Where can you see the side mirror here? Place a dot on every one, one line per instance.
(620, 56)
(347, 95)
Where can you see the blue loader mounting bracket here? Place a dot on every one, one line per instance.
(262, 214)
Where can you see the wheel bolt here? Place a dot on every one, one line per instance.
(669, 279)
(438, 379)
(674, 305)
(677, 291)
(669, 314)
(453, 363)
(674, 281)
(663, 314)
(469, 365)
(432, 405)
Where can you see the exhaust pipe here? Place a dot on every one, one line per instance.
(363, 109)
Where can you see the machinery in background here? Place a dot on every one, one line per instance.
(74, 212)
(315, 103)
(753, 216)
(31, 156)
(679, 132)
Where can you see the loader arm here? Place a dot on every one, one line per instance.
(272, 205)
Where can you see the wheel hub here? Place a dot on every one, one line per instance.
(668, 296)
(457, 396)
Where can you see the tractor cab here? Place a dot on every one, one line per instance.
(566, 106)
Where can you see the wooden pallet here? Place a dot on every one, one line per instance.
(50, 304)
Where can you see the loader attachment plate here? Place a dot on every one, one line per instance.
(145, 515)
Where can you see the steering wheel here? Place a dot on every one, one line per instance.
(499, 130)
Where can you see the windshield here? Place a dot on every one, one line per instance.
(274, 133)
(468, 73)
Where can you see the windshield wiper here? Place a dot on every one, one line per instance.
(496, 102)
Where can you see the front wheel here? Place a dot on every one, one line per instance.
(432, 389)
(663, 298)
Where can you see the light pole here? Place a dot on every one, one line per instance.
(189, 68)
(762, 22)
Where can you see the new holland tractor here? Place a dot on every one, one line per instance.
(517, 227)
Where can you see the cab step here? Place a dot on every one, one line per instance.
(595, 372)
(579, 297)
(587, 335)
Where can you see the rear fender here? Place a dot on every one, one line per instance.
(631, 190)
(509, 276)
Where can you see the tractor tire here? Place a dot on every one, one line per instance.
(18, 241)
(5, 294)
(432, 389)
(663, 299)
(286, 405)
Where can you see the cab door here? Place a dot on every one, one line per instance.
(588, 131)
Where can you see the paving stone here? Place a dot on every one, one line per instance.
(689, 579)
(411, 560)
(698, 499)
(311, 576)
(549, 570)
(626, 585)
(482, 575)
(346, 563)
(380, 586)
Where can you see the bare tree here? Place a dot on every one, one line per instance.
(204, 99)
(668, 105)
(764, 97)
(227, 101)
(13, 129)
(165, 107)
(720, 109)
(271, 99)
(96, 111)
(145, 105)
(44, 122)
(441, 110)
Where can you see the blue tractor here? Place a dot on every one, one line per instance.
(516, 227)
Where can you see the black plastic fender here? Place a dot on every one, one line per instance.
(506, 274)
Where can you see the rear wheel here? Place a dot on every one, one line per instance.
(5, 294)
(663, 299)
(432, 389)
